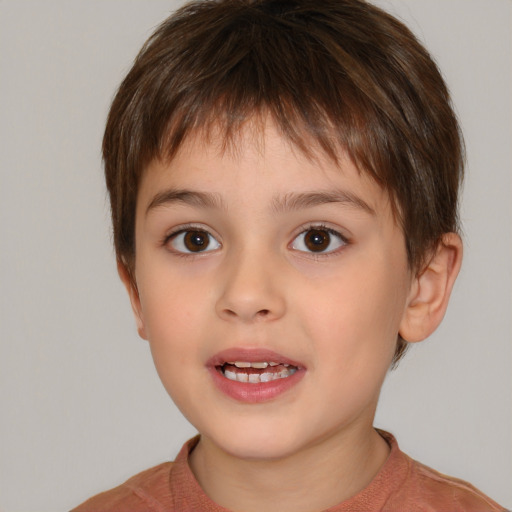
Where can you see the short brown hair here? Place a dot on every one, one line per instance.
(342, 73)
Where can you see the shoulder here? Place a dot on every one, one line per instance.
(145, 491)
(426, 490)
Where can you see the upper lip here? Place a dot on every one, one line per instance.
(250, 355)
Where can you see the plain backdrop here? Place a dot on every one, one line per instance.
(81, 406)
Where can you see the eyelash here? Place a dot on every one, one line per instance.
(183, 230)
(344, 241)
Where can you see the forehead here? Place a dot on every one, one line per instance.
(259, 161)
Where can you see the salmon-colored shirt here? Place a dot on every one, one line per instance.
(402, 485)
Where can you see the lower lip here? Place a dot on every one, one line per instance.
(255, 392)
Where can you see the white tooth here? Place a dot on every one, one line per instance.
(259, 365)
(266, 377)
(242, 364)
(286, 365)
(230, 375)
(273, 364)
(242, 377)
(254, 378)
(283, 374)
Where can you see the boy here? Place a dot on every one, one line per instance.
(284, 181)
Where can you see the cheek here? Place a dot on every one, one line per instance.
(173, 332)
(355, 316)
(170, 300)
(170, 314)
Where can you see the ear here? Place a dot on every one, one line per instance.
(133, 293)
(431, 289)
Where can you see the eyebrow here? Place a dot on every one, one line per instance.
(281, 204)
(190, 197)
(294, 201)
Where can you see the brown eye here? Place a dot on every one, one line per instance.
(319, 240)
(193, 241)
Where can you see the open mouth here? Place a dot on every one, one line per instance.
(256, 372)
(254, 375)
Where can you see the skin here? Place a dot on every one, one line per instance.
(257, 285)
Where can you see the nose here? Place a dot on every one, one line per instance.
(250, 289)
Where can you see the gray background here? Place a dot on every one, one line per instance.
(81, 406)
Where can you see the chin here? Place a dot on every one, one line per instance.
(263, 442)
(258, 449)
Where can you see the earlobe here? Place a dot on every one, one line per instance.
(431, 289)
(133, 293)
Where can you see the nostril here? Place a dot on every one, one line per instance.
(263, 312)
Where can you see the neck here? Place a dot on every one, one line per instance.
(336, 468)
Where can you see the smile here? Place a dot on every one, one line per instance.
(256, 372)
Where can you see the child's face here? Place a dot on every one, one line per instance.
(280, 259)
